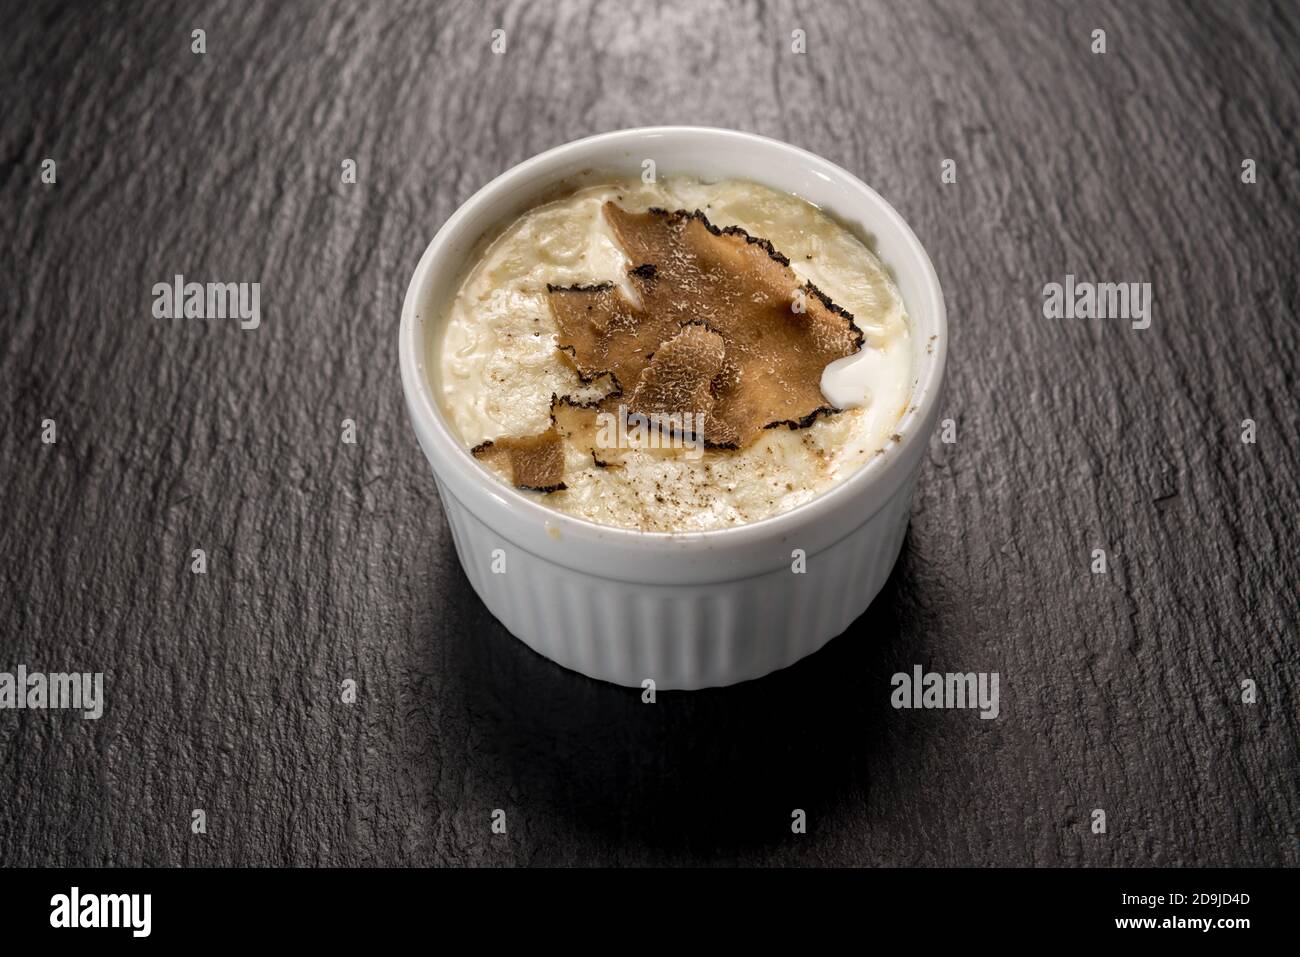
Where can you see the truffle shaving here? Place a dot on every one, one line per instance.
(777, 334)
(534, 462)
(725, 334)
(680, 375)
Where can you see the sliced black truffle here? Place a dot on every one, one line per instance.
(534, 462)
(724, 330)
(777, 334)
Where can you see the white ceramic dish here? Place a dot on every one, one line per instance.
(698, 609)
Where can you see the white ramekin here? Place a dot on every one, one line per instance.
(698, 609)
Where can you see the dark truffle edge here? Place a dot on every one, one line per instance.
(795, 424)
(558, 487)
(582, 287)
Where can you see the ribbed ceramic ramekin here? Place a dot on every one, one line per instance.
(698, 609)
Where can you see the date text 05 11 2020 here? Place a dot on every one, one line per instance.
(1195, 900)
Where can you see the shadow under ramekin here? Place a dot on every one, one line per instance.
(716, 773)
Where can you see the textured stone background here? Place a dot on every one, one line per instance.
(330, 561)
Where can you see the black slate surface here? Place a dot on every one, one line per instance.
(330, 561)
